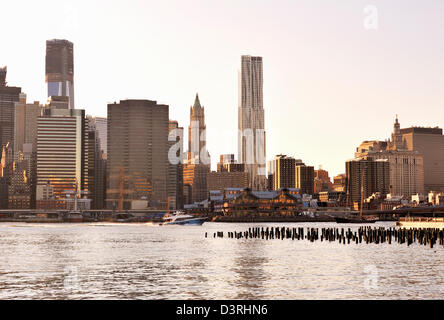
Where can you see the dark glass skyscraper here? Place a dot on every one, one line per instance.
(60, 69)
(137, 164)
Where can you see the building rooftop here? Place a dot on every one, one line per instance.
(424, 130)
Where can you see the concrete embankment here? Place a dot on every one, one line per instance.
(263, 219)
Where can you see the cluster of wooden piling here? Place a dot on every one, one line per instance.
(366, 235)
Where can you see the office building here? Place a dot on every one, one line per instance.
(282, 168)
(19, 191)
(137, 162)
(304, 180)
(25, 137)
(225, 159)
(339, 182)
(195, 182)
(373, 176)
(251, 133)
(225, 180)
(100, 125)
(9, 96)
(96, 156)
(227, 163)
(60, 69)
(406, 166)
(429, 142)
(62, 152)
(175, 169)
(322, 181)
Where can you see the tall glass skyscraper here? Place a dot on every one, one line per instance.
(251, 137)
(60, 69)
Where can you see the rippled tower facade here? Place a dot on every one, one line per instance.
(251, 135)
(60, 69)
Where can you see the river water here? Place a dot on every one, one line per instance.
(140, 261)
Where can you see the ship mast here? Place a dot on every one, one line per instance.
(362, 193)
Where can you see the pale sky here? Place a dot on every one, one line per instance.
(329, 83)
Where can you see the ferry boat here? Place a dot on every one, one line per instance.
(420, 222)
(180, 218)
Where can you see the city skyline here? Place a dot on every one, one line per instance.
(329, 80)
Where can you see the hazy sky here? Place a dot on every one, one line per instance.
(329, 83)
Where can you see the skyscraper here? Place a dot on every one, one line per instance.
(97, 174)
(197, 145)
(25, 137)
(251, 134)
(304, 177)
(8, 97)
(137, 164)
(62, 152)
(282, 170)
(198, 165)
(60, 69)
(100, 125)
(175, 170)
(369, 176)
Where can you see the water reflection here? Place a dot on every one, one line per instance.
(112, 261)
(249, 260)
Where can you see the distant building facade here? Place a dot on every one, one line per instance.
(339, 182)
(225, 179)
(19, 193)
(322, 181)
(406, 166)
(430, 143)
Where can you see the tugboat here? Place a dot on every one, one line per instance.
(180, 218)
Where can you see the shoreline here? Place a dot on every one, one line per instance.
(224, 219)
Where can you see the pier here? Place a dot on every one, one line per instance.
(364, 235)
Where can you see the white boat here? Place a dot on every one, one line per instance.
(179, 218)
